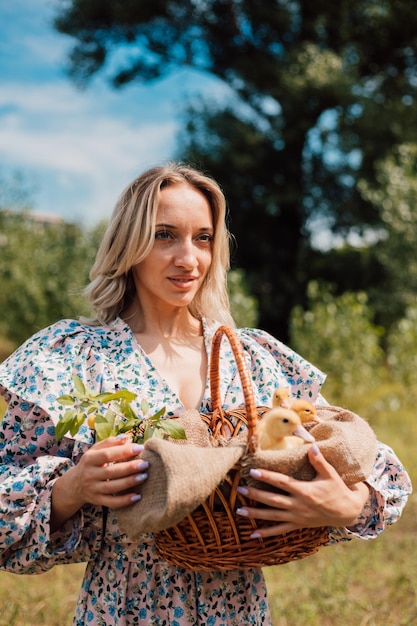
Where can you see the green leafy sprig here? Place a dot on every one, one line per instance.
(118, 417)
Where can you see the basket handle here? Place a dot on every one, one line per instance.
(251, 411)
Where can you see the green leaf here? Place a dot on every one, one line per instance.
(172, 428)
(126, 425)
(68, 415)
(110, 417)
(104, 426)
(66, 400)
(103, 397)
(128, 412)
(64, 424)
(76, 422)
(79, 385)
(149, 432)
(155, 418)
(158, 432)
(124, 394)
(61, 430)
(144, 406)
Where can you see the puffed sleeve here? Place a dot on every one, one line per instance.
(389, 489)
(30, 461)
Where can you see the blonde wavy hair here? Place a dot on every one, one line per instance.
(129, 238)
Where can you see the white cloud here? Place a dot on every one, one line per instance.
(36, 98)
(53, 131)
(82, 145)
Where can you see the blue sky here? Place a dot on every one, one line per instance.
(78, 149)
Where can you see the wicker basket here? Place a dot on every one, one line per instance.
(214, 537)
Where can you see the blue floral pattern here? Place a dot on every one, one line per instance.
(128, 583)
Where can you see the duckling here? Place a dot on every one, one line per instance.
(304, 409)
(281, 398)
(281, 428)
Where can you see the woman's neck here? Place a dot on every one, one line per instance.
(173, 324)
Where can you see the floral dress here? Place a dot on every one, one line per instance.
(128, 583)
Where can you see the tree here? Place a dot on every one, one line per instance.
(43, 269)
(323, 91)
(394, 192)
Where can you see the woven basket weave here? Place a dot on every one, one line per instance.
(213, 536)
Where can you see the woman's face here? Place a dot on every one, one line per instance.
(178, 263)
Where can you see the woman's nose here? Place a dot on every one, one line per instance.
(186, 255)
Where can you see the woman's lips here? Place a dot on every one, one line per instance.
(182, 281)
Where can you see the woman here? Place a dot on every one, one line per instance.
(158, 288)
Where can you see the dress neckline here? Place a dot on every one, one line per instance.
(136, 347)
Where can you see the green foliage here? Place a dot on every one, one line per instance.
(244, 306)
(337, 334)
(402, 353)
(119, 417)
(43, 269)
(394, 193)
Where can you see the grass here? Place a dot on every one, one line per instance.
(372, 583)
(354, 584)
(47, 599)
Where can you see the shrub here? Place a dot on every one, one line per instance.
(337, 335)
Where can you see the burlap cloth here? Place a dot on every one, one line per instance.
(181, 477)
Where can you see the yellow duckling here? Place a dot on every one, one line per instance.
(281, 428)
(281, 398)
(304, 409)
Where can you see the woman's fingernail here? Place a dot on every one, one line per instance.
(137, 447)
(142, 466)
(255, 536)
(122, 436)
(141, 477)
(255, 473)
(136, 497)
(242, 490)
(315, 449)
(243, 512)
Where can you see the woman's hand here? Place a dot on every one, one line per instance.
(324, 501)
(106, 475)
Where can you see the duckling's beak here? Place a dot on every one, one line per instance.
(300, 431)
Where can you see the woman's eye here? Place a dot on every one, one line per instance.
(206, 237)
(162, 234)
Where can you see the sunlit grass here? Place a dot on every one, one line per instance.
(47, 599)
(359, 583)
